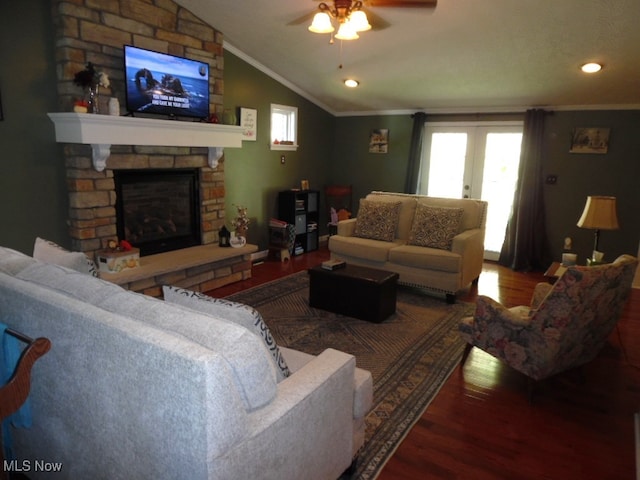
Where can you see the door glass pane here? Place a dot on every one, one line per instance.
(502, 157)
(446, 164)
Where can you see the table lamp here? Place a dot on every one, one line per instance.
(599, 214)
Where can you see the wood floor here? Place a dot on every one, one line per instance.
(481, 426)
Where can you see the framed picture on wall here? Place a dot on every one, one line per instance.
(249, 123)
(379, 141)
(590, 140)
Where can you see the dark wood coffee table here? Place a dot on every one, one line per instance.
(359, 292)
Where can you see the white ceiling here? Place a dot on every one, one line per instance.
(462, 56)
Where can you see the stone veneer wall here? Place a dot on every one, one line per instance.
(95, 31)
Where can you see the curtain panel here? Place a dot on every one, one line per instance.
(415, 153)
(525, 245)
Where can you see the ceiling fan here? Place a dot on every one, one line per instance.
(351, 18)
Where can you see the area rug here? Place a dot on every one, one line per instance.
(410, 355)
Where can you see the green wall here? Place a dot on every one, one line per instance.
(33, 199)
(579, 175)
(353, 164)
(254, 174)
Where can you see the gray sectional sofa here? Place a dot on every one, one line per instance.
(137, 387)
(432, 243)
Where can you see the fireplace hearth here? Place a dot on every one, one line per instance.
(158, 210)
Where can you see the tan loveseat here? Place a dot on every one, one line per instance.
(433, 243)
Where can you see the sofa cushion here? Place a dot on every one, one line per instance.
(435, 226)
(238, 313)
(50, 252)
(248, 359)
(377, 220)
(426, 257)
(373, 250)
(407, 209)
(474, 210)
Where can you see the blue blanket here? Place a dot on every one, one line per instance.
(10, 352)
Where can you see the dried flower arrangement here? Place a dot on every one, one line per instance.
(241, 222)
(90, 80)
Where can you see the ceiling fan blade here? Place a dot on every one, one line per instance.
(377, 22)
(306, 18)
(403, 3)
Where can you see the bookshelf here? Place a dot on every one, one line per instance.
(301, 208)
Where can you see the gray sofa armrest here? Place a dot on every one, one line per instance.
(310, 419)
(347, 228)
(363, 381)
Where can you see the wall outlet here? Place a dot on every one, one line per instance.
(282, 159)
(552, 179)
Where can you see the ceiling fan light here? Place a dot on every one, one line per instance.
(321, 23)
(359, 21)
(591, 67)
(346, 32)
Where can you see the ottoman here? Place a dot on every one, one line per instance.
(359, 292)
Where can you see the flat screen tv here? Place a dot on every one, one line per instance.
(161, 84)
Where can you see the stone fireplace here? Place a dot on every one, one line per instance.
(93, 201)
(89, 31)
(93, 197)
(96, 32)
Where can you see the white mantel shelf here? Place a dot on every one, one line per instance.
(102, 131)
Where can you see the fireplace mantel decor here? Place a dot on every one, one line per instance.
(102, 131)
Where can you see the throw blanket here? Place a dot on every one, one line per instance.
(10, 352)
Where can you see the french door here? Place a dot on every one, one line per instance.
(474, 160)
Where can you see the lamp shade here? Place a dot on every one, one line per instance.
(599, 213)
(359, 21)
(321, 23)
(346, 32)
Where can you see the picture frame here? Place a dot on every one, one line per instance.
(249, 123)
(590, 140)
(379, 140)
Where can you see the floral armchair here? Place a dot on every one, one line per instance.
(566, 325)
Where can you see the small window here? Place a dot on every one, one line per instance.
(284, 127)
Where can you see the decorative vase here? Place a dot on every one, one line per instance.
(93, 99)
(114, 106)
(237, 241)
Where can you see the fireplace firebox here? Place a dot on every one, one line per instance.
(158, 210)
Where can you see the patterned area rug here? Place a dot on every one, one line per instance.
(410, 355)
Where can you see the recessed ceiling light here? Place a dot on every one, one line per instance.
(591, 67)
(351, 83)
